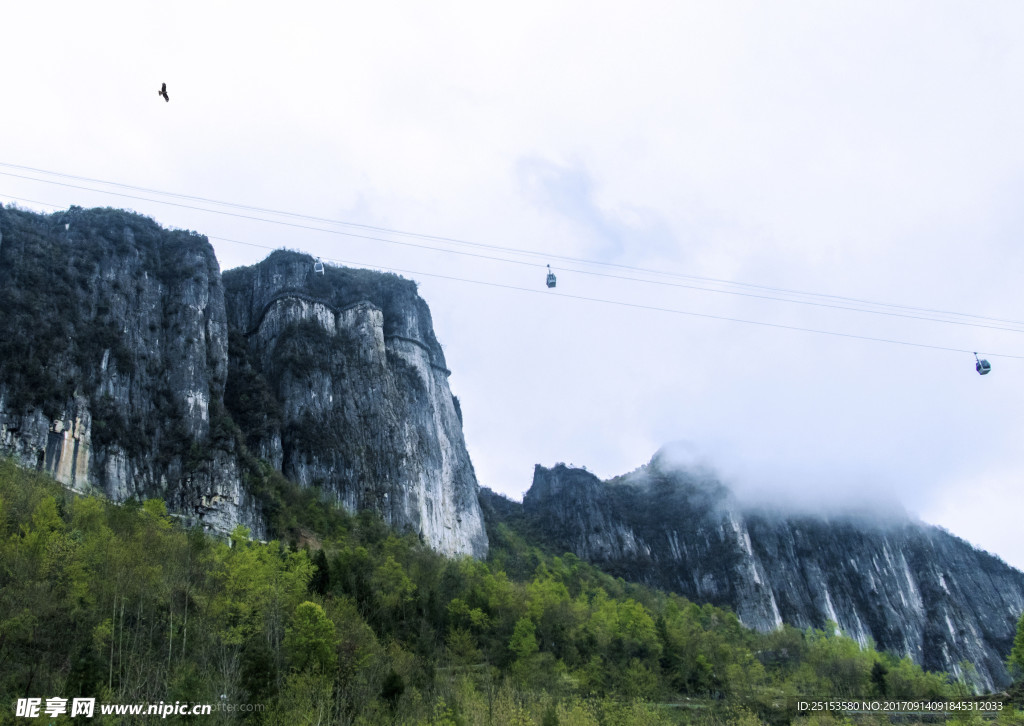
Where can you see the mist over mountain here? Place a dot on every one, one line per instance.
(798, 487)
(873, 572)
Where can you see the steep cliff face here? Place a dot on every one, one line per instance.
(113, 361)
(361, 389)
(912, 588)
(126, 368)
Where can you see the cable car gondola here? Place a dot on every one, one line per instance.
(982, 365)
(551, 277)
(318, 266)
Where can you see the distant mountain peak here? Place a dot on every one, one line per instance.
(881, 575)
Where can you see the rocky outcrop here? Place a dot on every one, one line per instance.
(127, 368)
(910, 588)
(361, 383)
(114, 361)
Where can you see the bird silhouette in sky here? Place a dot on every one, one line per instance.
(163, 92)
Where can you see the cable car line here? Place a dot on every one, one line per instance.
(546, 256)
(521, 262)
(639, 306)
(621, 303)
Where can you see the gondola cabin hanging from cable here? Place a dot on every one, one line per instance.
(318, 266)
(981, 365)
(551, 277)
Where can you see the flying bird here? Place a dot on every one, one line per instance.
(163, 92)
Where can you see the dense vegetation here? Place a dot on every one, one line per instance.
(357, 625)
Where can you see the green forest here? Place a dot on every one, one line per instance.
(344, 621)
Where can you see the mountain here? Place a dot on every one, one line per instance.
(358, 386)
(131, 367)
(911, 588)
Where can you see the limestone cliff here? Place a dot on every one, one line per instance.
(365, 411)
(119, 347)
(911, 588)
(113, 361)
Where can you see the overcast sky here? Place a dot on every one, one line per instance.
(867, 150)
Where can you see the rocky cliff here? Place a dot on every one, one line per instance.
(113, 361)
(120, 348)
(361, 387)
(912, 588)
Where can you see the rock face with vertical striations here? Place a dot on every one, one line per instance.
(130, 367)
(361, 390)
(912, 588)
(114, 360)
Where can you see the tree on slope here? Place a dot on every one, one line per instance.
(1016, 659)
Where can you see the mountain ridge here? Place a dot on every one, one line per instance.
(905, 585)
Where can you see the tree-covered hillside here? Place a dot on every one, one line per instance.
(351, 623)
